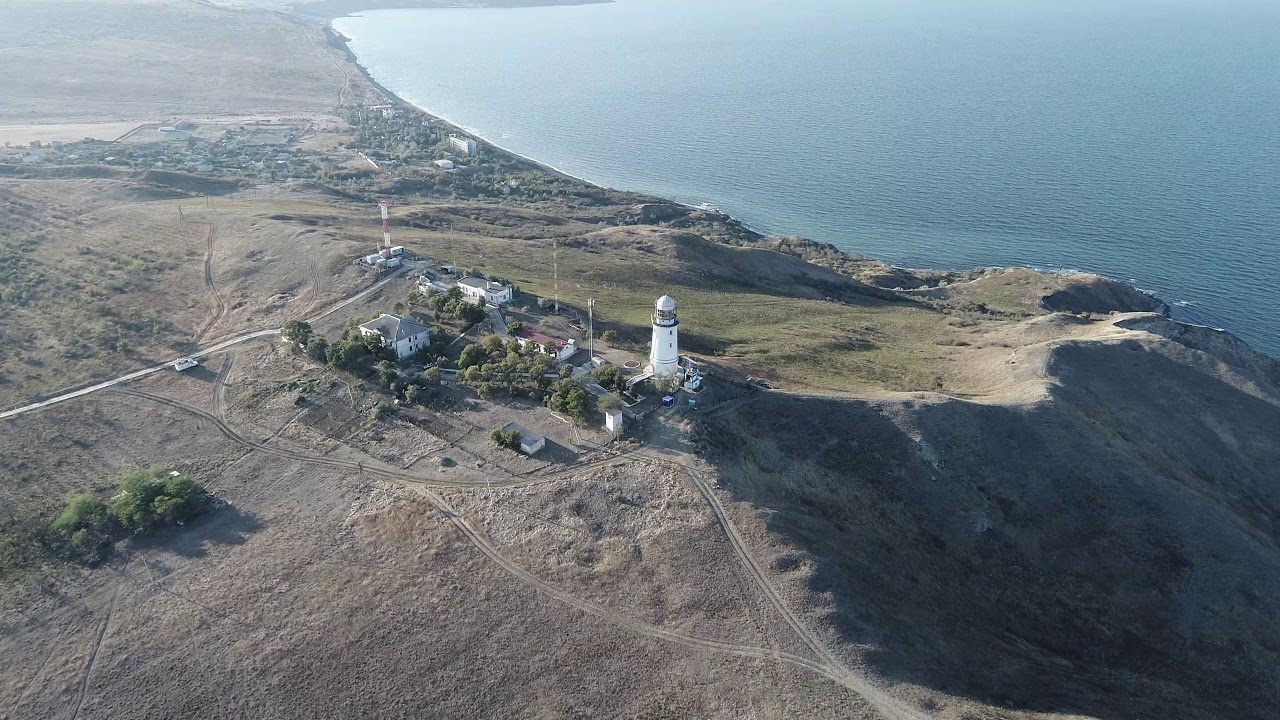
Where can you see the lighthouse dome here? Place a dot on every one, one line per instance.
(666, 303)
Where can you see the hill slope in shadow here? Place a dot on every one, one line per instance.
(1111, 549)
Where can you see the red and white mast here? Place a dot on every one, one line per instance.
(386, 222)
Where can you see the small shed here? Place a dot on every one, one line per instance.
(613, 421)
(530, 442)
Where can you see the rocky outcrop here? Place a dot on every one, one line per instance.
(1094, 294)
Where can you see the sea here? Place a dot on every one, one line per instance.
(1137, 139)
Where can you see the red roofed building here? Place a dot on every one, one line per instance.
(565, 349)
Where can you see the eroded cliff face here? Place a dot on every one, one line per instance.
(1109, 546)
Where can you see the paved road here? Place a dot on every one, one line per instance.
(499, 322)
(223, 345)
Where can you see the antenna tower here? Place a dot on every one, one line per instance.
(386, 222)
(555, 272)
(591, 332)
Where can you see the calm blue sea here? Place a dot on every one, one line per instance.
(1135, 138)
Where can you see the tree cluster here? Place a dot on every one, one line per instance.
(507, 366)
(144, 501)
(453, 303)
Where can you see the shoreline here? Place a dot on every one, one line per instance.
(341, 42)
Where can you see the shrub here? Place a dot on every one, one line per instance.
(83, 531)
(609, 336)
(509, 440)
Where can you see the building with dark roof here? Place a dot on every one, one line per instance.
(405, 336)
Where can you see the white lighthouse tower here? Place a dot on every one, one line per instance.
(664, 353)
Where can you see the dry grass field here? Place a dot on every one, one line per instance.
(318, 592)
(125, 272)
(75, 61)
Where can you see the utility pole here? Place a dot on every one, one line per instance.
(591, 332)
(555, 270)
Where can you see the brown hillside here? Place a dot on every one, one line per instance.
(1112, 550)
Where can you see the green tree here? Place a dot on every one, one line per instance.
(610, 377)
(609, 402)
(374, 345)
(297, 332)
(609, 336)
(576, 404)
(388, 372)
(348, 355)
(152, 497)
(485, 391)
(471, 355)
(318, 349)
(571, 400)
(411, 393)
(503, 439)
(493, 344)
(433, 375)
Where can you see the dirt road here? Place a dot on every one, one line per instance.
(220, 346)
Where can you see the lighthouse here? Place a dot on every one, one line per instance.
(664, 353)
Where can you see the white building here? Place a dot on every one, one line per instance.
(530, 443)
(564, 349)
(493, 292)
(464, 145)
(403, 335)
(613, 421)
(445, 165)
(664, 351)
